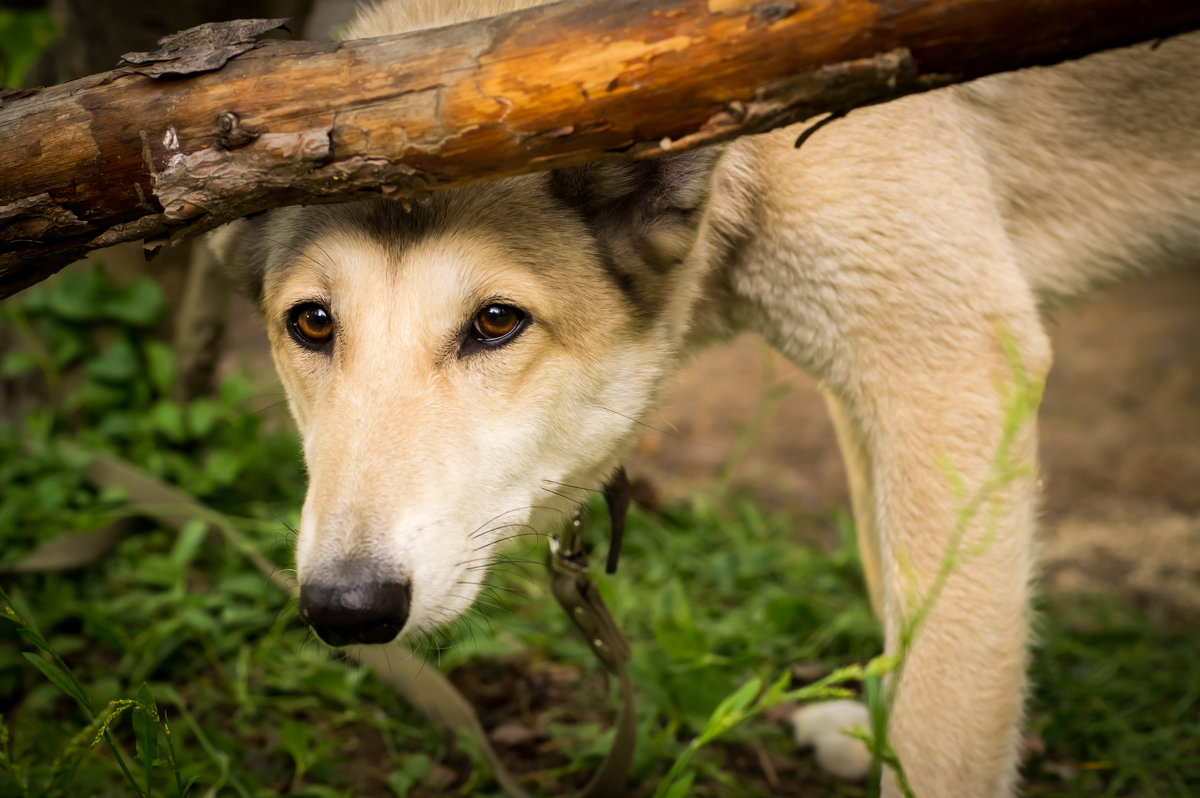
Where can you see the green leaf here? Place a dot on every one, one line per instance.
(116, 426)
(63, 680)
(673, 627)
(16, 363)
(50, 492)
(201, 415)
(146, 698)
(138, 305)
(680, 788)
(200, 621)
(117, 364)
(296, 737)
(775, 694)
(190, 538)
(877, 706)
(222, 466)
(74, 297)
(113, 494)
(66, 349)
(145, 731)
(730, 710)
(23, 36)
(33, 638)
(65, 774)
(235, 390)
(160, 363)
(167, 418)
(416, 767)
(792, 615)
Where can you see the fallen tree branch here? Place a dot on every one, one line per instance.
(218, 125)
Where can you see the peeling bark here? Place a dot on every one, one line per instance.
(123, 156)
(203, 48)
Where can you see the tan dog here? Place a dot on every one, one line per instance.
(449, 364)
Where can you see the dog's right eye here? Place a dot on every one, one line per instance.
(496, 323)
(311, 325)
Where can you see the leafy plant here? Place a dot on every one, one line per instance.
(105, 383)
(143, 711)
(88, 374)
(716, 597)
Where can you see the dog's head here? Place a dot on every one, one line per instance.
(462, 372)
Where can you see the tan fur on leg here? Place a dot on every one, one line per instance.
(862, 497)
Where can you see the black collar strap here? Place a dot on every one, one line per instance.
(617, 492)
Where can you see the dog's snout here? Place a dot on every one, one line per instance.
(343, 615)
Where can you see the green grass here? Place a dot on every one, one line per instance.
(1117, 702)
(179, 630)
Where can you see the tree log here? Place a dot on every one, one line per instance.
(217, 125)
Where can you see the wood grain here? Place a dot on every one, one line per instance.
(123, 156)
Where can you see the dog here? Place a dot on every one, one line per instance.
(448, 363)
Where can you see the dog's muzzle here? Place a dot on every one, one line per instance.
(343, 615)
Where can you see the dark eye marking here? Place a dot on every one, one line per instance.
(493, 325)
(311, 325)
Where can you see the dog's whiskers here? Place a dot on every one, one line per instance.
(490, 530)
(506, 564)
(671, 433)
(479, 530)
(537, 535)
(578, 504)
(471, 603)
(573, 487)
(505, 588)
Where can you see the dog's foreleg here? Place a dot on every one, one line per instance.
(951, 508)
(862, 496)
(882, 266)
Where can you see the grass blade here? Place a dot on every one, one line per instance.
(145, 732)
(60, 678)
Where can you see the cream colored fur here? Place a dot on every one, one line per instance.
(884, 257)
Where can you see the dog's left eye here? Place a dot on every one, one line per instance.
(311, 325)
(496, 324)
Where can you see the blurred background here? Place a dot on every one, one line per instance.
(159, 365)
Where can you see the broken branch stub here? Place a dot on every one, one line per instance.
(216, 125)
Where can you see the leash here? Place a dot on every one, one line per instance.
(427, 689)
(580, 599)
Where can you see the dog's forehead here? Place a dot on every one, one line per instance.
(518, 221)
(383, 269)
(521, 205)
(442, 274)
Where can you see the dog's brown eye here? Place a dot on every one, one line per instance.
(311, 325)
(492, 326)
(496, 323)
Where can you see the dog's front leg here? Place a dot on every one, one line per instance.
(951, 522)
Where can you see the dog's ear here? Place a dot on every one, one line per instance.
(649, 209)
(238, 248)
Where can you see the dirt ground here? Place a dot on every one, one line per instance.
(1120, 442)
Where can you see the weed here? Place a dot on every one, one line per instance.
(1021, 400)
(715, 598)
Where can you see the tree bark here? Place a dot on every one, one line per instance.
(222, 126)
(92, 35)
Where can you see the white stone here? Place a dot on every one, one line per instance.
(821, 726)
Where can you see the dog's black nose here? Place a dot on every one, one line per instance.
(344, 615)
